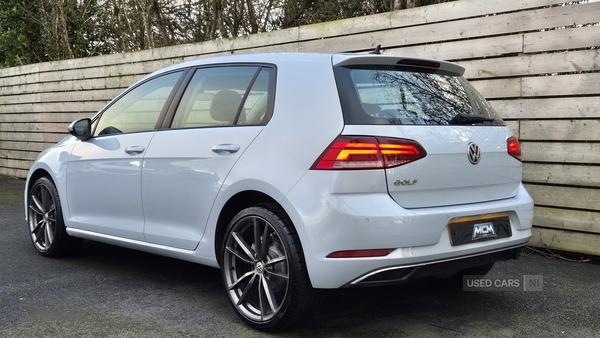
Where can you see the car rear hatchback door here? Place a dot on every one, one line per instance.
(470, 155)
(462, 165)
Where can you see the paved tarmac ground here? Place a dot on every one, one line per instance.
(106, 291)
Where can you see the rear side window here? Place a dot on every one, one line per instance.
(226, 96)
(399, 95)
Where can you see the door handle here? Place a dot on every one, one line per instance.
(134, 150)
(225, 149)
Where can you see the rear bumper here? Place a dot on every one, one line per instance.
(329, 221)
(407, 263)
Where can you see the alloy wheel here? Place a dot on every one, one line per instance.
(256, 268)
(42, 217)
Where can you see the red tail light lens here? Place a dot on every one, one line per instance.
(368, 152)
(514, 148)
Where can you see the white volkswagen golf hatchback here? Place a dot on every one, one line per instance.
(292, 173)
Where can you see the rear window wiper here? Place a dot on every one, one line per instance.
(462, 119)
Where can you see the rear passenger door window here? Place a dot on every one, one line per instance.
(226, 96)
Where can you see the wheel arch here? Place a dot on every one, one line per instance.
(31, 179)
(36, 174)
(232, 207)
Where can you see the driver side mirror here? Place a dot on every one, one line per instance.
(82, 129)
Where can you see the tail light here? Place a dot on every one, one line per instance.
(514, 148)
(368, 152)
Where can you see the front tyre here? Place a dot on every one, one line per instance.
(263, 270)
(46, 227)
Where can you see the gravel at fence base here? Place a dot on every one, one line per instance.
(114, 292)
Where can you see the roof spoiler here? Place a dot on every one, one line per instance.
(392, 60)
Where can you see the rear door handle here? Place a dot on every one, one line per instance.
(134, 150)
(225, 149)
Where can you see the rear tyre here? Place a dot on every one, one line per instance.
(263, 270)
(46, 226)
(456, 279)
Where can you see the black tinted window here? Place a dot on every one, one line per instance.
(398, 96)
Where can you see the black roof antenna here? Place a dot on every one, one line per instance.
(377, 50)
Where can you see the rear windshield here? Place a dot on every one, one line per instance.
(400, 95)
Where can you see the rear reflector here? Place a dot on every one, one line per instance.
(369, 152)
(514, 148)
(360, 253)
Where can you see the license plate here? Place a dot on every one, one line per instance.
(473, 229)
